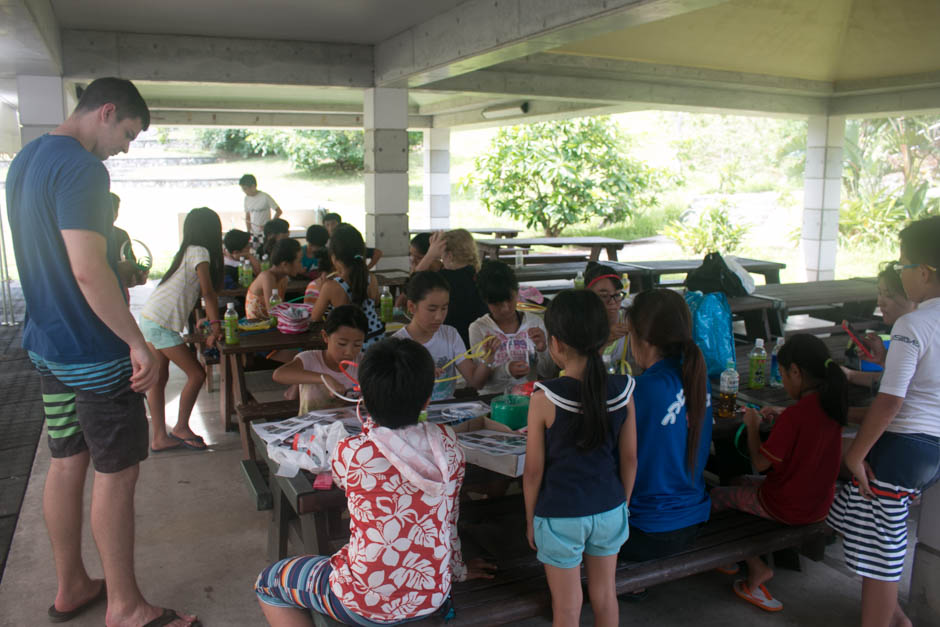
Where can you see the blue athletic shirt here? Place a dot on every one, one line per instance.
(664, 497)
(581, 483)
(54, 184)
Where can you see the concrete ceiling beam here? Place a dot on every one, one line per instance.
(30, 41)
(170, 104)
(887, 84)
(481, 33)
(459, 104)
(551, 64)
(645, 94)
(89, 54)
(906, 102)
(539, 111)
(238, 119)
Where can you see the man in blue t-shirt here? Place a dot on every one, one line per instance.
(93, 361)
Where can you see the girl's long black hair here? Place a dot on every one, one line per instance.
(662, 318)
(202, 227)
(347, 246)
(578, 319)
(811, 356)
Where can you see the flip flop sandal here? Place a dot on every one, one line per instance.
(167, 617)
(174, 447)
(729, 570)
(56, 616)
(760, 597)
(192, 444)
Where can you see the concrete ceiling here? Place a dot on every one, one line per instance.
(306, 62)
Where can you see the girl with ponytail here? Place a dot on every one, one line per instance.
(580, 461)
(352, 282)
(673, 425)
(802, 455)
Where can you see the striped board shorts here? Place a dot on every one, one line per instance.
(874, 532)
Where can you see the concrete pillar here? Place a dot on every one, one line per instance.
(822, 186)
(41, 104)
(437, 177)
(925, 579)
(9, 130)
(386, 174)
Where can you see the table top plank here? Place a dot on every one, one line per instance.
(268, 341)
(820, 293)
(498, 231)
(587, 240)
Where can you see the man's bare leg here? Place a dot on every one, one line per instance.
(112, 522)
(62, 500)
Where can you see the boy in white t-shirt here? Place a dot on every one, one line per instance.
(896, 454)
(258, 207)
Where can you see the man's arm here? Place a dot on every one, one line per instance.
(87, 251)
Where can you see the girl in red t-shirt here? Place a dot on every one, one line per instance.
(802, 454)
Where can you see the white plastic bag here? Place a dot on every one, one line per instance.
(746, 279)
(310, 449)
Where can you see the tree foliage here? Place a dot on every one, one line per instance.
(554, 174)
(306, 149)
(714, 232)
(889, 165)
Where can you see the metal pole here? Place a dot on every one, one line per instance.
(9, 315)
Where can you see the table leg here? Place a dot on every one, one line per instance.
(595, 253)
(612, 252)
(226, 408)
(772, 277)
(280, 517)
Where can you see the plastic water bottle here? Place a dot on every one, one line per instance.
(230, 324)
(386, 304)
(518, 257)
(727, 392)
(757, 366)
(247, 275)
(625, 280)
(579, 280)
(265, 263)
(776, 380)
(272, 303)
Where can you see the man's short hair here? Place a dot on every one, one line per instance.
(332, 217)
(236, 240)
(127, 101)
(397, 377)
(248, 180)
(317, 235)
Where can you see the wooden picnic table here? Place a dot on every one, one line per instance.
(490, 247)
(770, 270)
(232, 372)
(845, 299)
(495, 231)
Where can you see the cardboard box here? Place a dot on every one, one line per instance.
(492, 445)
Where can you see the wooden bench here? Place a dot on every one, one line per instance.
(520, 590)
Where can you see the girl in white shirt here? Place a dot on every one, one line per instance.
(196, 268)
(896, 454)
(521, 354)
(428, 300)
(343, 332)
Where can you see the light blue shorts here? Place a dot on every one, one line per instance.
(160, 337)
(562, 541)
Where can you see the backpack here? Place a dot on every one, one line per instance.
(714, 275)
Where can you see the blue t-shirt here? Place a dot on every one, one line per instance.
(664, 497)
(309, 263)
(575, 482)
(54, 184)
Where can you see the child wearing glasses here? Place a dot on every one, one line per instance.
(605, 282)
(896, 454)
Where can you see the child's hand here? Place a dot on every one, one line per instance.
(438, 373)
(478, 568)
(770, 412)
(618, 330)
(436, 245)
(215, 337)
(537, 336)
(876, 347)
(751, 418)
(518, 369)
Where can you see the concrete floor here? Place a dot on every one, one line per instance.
(201, 543)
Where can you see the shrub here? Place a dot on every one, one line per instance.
(715, 232)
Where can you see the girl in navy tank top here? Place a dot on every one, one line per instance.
(580, 461)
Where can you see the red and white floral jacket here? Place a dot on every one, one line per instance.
(403, 489)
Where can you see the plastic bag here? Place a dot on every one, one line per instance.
(714, 275)
(309, 449)
(711, 329)
(746, 279)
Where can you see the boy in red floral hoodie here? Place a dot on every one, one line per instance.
(402, 480)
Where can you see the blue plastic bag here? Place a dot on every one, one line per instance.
(711, 329)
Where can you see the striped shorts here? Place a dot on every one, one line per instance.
(303, 582)
(874, 532)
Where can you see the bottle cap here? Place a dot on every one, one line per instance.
(730, 364)
(780, 341)
(759, 342)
